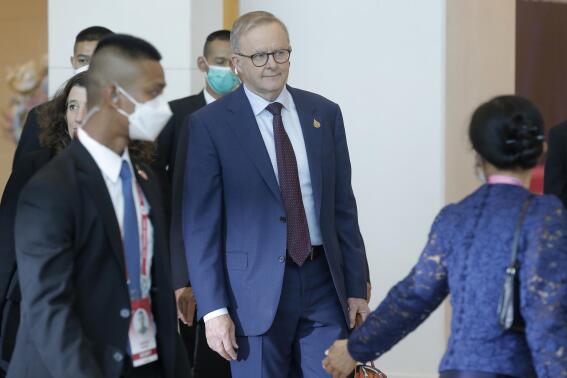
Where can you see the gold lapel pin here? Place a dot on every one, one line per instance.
(316, 124)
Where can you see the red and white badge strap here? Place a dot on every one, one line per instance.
(144, 252)
(142, 332)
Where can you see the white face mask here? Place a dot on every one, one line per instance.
(148, 118)
(82, 69)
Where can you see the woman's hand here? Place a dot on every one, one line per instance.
(338, 362)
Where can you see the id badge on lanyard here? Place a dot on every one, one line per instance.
(142, 332)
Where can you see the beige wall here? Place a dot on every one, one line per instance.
(230, 12)
(480, 64)
(23, 37)
(391, 91)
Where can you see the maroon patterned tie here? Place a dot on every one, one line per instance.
(298, 241)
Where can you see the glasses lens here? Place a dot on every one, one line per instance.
(281, 56)
(259, 59)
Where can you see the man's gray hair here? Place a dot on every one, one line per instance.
(248, 21)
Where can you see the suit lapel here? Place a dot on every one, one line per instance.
(244, 125)
(91, 177)
(312, 135)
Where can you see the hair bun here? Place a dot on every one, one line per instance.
(507, 131)
(523, 141)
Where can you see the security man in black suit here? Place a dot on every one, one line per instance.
(172, 143)
(91, 237)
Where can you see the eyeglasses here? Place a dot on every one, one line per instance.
(260, 59)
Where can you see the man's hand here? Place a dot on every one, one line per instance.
(357, 306)
(185, 305)
(338, 362)
(221, 336)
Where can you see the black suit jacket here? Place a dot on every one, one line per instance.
(10, 296)
(29, 140)
(555, 178)
(169, 138)
(172, 153)
(72, 274)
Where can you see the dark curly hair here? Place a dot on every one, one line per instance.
(143, 152)
(507, 131)
(54, 134)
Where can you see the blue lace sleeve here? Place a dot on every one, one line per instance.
(408, 303)
(544, 293)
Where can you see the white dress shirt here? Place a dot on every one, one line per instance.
(292, 126)
(110, 164)
(293, 129)
(208, 97)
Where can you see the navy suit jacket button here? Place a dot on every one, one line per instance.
(118, 357)
(283, 219)
(125, 313)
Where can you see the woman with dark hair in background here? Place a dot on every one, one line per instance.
(60, 118)
(58, 121)
(469, 255)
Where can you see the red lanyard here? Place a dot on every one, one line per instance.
(144, 264)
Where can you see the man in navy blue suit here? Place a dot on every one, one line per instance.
(270, 226)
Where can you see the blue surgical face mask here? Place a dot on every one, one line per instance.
(222, 80)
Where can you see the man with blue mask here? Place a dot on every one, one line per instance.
(220, 79)
(220, 76)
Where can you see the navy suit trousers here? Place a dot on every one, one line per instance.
(308, 320)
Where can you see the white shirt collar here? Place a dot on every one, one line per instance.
(208, 97)
(108, 161)
(259, 103)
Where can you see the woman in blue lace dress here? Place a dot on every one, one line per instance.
(468, 251)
